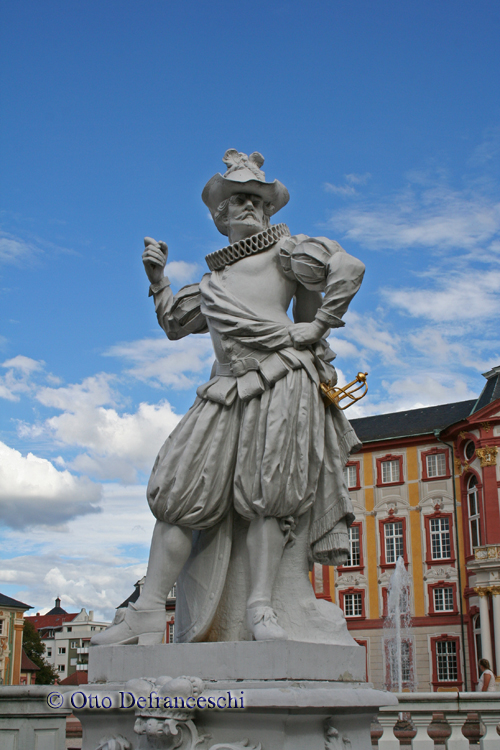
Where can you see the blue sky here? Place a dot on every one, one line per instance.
(382, 119)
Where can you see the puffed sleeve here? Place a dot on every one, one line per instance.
(322, 265)
(180, 314)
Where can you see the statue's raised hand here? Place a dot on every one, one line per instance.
(154, 258)
(305, 334)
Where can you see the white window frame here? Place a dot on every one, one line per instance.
(443, 595)
(436, 464)
(447, 659)
(354, 547)
(351, 476)
(353, 604)
(172, 594)
(61, 650)
(394, 540)
(390, 471)
(440, 538)
(171, 632)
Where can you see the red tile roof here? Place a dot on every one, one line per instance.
(50, 621)
(77, 678)
(27, 665)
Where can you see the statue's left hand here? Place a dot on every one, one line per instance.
(305, 334)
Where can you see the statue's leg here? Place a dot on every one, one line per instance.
(170, 549)
(144, 621)
(265, 543)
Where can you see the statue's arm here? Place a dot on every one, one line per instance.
(306, 304)
(344, 276)
(321, 265)
(178, 315)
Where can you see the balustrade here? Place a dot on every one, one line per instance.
(455, 707)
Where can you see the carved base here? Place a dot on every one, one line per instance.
(276, 716)
(268, 695)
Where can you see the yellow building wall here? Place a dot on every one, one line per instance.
(12, 643)
(415, 556)
(371, 537)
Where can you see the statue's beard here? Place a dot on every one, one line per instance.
(249, 220)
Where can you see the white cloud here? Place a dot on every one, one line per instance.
(347, 191)
(344, 190)
(436, 216)
(365, 336)
(181, 272)
(15, 250)
(93, 562)
(358, 179)
(179, 364)
(468, 295)
(24, 364)
(416, 392)
(33, 491)
(116, 445)
(91, 392)
(17, 379)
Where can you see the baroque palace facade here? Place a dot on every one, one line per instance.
(401, 484)
(12, 668)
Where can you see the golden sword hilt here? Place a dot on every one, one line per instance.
(333, 395)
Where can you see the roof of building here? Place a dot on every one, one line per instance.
(412, 422)
(77, 678)
(425, 421)
(57, 609)
(7, 602)
(133, 596)
(27, 665)
(491, 390)
(42, 622)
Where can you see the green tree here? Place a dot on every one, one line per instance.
(35, 649)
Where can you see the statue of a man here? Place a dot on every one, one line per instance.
(258, 441)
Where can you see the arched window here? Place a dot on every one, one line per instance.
(473, 508)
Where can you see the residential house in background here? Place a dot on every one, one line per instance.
(67, 637)
(11, 639)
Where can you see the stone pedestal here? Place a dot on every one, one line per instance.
(273, 695)
(30, 718)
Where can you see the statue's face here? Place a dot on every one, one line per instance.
(246, 214)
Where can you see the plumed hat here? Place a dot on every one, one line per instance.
(243, 175)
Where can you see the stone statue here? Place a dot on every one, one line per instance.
(252, 476)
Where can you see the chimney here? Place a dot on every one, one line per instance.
(91, 614)
(58, 602)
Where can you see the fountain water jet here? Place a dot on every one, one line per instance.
(397, 628)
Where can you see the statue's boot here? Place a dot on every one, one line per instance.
(143, 626)
(263, 623)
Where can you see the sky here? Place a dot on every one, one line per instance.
(383, 121)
